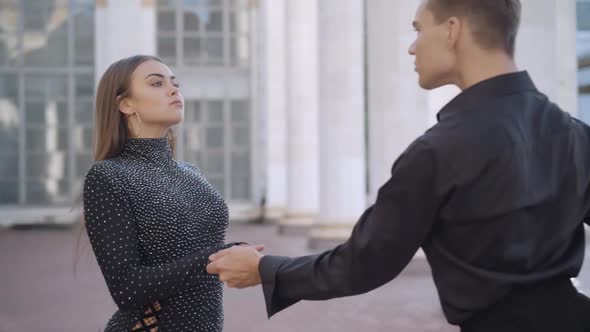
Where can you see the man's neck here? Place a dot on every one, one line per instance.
(480, 67)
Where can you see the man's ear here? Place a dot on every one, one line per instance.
(125, 105)
(454, 30)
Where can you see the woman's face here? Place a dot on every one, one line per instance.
(154, 101)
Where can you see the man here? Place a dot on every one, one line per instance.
(496, 193)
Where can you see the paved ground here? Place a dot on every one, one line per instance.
(41, 292)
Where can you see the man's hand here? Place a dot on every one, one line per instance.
(237, 266)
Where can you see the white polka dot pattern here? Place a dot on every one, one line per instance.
(152, 223)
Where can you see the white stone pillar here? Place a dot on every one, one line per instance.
(342, 118)
(274, 101)
(123, 29)
(546, 47)
(302, 117)
(398, 109)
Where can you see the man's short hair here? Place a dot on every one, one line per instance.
(494, 22)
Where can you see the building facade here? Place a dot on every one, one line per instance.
(295, 109)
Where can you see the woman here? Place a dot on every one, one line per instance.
(152, 221)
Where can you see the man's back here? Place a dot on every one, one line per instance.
(514, 177)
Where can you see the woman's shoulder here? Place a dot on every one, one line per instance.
(190, 167)
(105, 169)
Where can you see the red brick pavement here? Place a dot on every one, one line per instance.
(41, 293)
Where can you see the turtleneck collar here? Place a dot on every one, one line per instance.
(156, 150)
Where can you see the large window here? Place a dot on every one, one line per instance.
(216, 136)
(46, 96)
(583, 51)
(207, 43)
(203, 32)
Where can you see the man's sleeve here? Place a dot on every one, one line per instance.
(382, 243)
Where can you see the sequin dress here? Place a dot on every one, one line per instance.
(152, 222)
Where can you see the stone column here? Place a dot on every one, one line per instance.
(342, 118)
(398, 109)
(114, 37)
(546, 47)
(302, 116)
(274, 102)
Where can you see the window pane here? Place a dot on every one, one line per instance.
(191, 21)
(47, 139)
(49, 113)
(9, 32)
(166, 3)
(166, 21)
(213, 163)
(7, 51)
(9, 192)
(240, 111)
(214, 137)
(238, 22)
(583, 15)
(82, 137)
(84, 36)
(45, 86)
(192, 50)
(35, 18)
(214, 22)
(8, 140)
(85, 85)
(49, 166)
(202, 3)
(9, 111)
(239, 55)
(215, 50)
(218, 183)
(192, 138)
(167, 48)
(240, 176)
(192, 112)
(84, 111)
(214, 111)
(241, 136)
(8, 165)
(47, 191)
(45, 44)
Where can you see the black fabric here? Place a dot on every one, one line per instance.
(495, 193)
(153, 222)
(549, 306)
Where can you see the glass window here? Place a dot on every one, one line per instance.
(49, 113)
(240, 175)
(192, 50)
(220, 144)
(167, 49)
(9, 192)
(583, 15)
(47, 192)
(45, 42)
(204, 33)
(167, 21)
(9, 37)
(52, 59)
(191, 21)
(83, 35)
(214, 50)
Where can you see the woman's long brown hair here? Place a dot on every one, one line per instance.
(111, 129)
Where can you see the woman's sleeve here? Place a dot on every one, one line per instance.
(113, 238)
